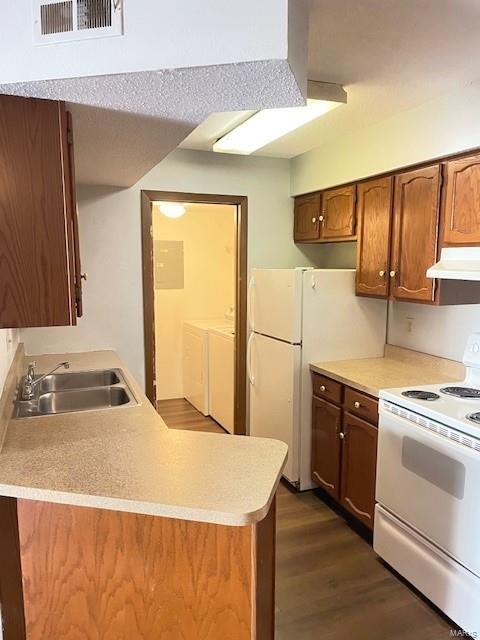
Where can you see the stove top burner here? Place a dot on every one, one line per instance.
(418, 394)
(461, 392)
(474, 417)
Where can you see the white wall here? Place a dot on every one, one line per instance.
(440, 331)
(207, 289)
(8, 345)
(439, 127)
(110, 238)
(157, 35)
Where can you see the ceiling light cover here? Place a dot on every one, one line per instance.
(268, 125)
(172, 209)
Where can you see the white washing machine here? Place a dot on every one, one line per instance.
(221, 375)
(195, 361)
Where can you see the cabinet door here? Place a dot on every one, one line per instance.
(72, 219)
(415, 233)
(462, 202)
(338, 213)
(306, 216)
(35, 243)
(326, 446)
(374, 214)
(359, 462)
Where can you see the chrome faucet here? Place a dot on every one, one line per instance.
(30, 383)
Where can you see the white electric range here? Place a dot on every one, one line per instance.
(427, 519)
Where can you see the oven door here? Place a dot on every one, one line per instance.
(432, 483)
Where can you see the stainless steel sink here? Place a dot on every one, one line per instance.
(77, 391)
(80, 380)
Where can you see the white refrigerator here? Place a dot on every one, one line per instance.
(299, 316)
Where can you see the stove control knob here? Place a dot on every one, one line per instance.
(475, 347)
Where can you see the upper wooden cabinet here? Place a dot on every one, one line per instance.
(306, 218)
(415, 229)
(338, 218)
(461, 224)
(326, 217)
(374, 212)
(39, 254)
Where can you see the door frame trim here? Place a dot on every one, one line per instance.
(148, 197)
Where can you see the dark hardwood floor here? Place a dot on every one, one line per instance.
(180, 414)
(330, 583)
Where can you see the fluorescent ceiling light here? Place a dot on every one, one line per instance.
(265, 126)
(172, 209)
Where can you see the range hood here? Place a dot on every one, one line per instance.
(457, 263)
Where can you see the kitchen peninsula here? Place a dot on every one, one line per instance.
(118, 527)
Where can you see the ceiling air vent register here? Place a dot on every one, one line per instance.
(55, 22)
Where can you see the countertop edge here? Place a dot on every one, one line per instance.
(347, 381)
(160, 510)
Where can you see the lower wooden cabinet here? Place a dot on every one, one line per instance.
(359, 464)
(326, 425)
(344, 446)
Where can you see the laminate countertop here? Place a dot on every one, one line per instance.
(126, 459)
(398, 368)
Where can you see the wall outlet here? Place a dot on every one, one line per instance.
(410, 322)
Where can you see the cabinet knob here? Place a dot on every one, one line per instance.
(321, 218)
(84, 276)
(323, 388)
(314, 220)
(381, 273)
(357, 405)
(341, 436)
(393, 274)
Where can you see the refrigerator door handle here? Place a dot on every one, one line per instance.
(251, 284)
(251, 377)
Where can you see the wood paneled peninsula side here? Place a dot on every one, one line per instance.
(115, 527)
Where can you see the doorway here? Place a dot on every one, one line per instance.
(181, 296)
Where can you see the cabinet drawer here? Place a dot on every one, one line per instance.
(324, 387)
(361, 405)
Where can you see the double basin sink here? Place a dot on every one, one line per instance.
(76, 391)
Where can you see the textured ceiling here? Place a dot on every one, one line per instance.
(391, 56)
(125, 124)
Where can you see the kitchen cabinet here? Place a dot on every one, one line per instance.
(344, 446)
(306, 218)
(374, 213)
(359, 463)
(415, 233)
(461, 223)
(40, 275)
(327, 216)
(326, 429)
(338, 217)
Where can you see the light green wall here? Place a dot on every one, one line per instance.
(446, 125)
